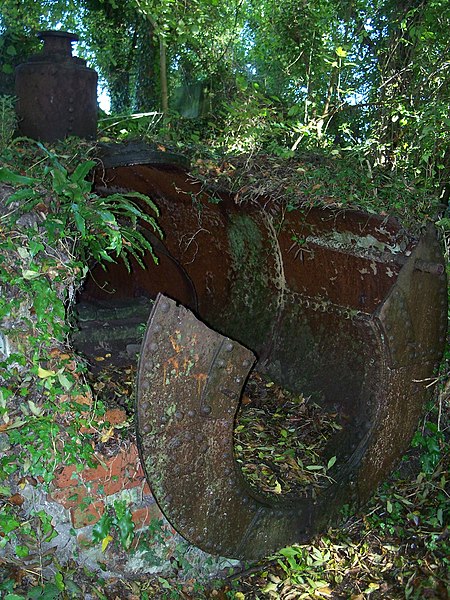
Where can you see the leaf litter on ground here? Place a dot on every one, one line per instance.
(281, 439)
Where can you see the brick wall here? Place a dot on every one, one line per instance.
(86, 494)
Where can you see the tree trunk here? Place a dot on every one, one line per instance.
(163, 76)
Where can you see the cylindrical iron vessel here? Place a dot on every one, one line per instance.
(339, 305)
(56, 92)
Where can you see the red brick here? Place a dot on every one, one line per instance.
(65, 477)
(142, 517)
(87, 516)
(70, 497)
(119, 472)
(84, 541)
(115, 416)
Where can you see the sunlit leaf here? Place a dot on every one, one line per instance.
(44, 373)
(106, 541)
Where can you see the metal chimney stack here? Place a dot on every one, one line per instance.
(56, 92)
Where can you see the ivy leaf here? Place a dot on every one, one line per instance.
(64, 381)
(28, 275)
(101, 529)
(44, 373)
(36, 410)
(22, 551)
(106, 541)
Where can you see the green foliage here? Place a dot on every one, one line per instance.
(51, 226)
(102, 228)
(8, 120)
(115, 522)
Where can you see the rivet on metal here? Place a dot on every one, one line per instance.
(206, 410)
(168, 499)
(221, 363)
(165, 307)
(238, 380)
(191, 413)
(246, 363)
(179, 415)
(229, 347)
(147, 428)
(157, 328)
(164, 419)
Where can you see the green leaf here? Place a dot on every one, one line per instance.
(60, 182)
(331, 462)
(59, 581)
(124, 523)
(64, 381)
(28, 274)
(26, 194)
(102, 528)
(79, 220)
(8, 176)
(81, 171)
(22, 551)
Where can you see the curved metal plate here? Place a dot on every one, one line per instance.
(189, 385)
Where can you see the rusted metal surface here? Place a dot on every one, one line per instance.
(189, 386)
(342, 305)
(56, 92)
(138, 153)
